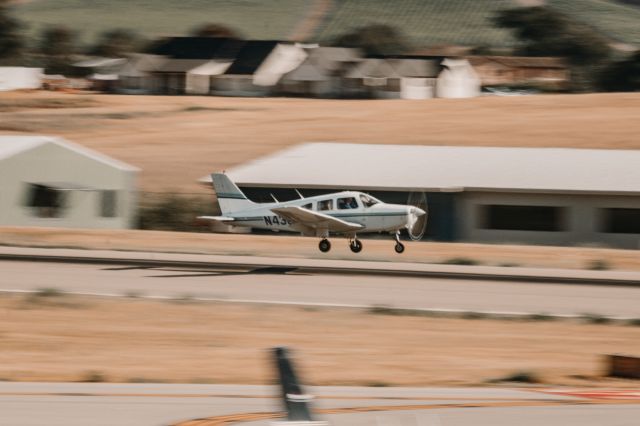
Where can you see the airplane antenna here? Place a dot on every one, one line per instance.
(274, 198)
(299, 194)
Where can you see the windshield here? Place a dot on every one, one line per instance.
(368, 200)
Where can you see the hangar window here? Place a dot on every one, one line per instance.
(621, 221)
(45, 201)
(523, 218)
(325, 205)
(109, 203)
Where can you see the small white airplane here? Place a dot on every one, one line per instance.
(347, 213)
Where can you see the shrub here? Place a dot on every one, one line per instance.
(174, 212)
(461, 261)
(599, 265)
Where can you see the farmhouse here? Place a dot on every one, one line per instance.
(547, 196)
(411, 77)
(320, 75)
(48, 181)
(179, 65)
(258, 67)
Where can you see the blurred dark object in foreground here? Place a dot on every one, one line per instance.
(627, 367)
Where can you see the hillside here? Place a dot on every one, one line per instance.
(152, 18)
(424, 22)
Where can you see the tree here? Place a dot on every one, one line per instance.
(116, 43)
(11, 41)
(546, 32)
(622, 76)
(375, 39)
(56, 47)
(215, 30)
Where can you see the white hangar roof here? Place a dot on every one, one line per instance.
(11, 145)
(446, 169)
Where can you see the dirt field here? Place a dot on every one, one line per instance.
(67, 338)
(292, 246)
(176, 140)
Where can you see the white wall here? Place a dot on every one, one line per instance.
(17, 78)
(51, 163)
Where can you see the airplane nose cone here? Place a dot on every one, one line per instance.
(418, 211)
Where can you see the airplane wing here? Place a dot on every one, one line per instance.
(315, 220)
(222, 219)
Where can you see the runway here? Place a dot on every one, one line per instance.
(274, 285)
(104, 404)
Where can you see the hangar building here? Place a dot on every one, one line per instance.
(553, 196)
(48, 181)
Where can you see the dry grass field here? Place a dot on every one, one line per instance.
(68, 338)
(290, 246)
(176, 140)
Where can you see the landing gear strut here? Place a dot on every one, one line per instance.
(399, 246)
(355, 245)
(324, 245)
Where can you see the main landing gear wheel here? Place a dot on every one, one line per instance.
(399, 247)
(324, 245)
(355, 246)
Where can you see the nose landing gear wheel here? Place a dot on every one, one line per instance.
(355, 246)
(399, 247)
(324, 245)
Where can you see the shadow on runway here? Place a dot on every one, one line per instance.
(187, 273)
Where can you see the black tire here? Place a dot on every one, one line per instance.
(324, 246)
(356, 246)
(399, 247)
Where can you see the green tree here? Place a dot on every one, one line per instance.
(546, 32)
(215, 30)
(56, 48)
(116, 43)
(622, 76)
(375, 39)
(11, 40)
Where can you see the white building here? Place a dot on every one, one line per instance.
(48, 181)
(19, 78)
(555, 196)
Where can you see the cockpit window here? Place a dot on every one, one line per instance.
(367, 200)
(347, 203)
(307, 206)
(325, 205)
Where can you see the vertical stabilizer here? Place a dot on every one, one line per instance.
(230, 198)
(295, 400)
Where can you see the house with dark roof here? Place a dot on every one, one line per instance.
(320, 75)
(258, 67)
(179, 65)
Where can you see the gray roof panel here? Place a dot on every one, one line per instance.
(444, 168)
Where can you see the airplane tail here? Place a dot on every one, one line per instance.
(230, 198)
(295, 400)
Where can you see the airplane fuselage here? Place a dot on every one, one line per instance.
(379, 217)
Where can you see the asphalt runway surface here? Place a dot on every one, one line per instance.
(106, 404)
(273, 285)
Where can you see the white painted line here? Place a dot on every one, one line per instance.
(320, 305)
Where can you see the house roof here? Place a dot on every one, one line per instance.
(250, 56)
(519, 61)
(180, 65)
(197, 48)
(446, 169)
(12, 145)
